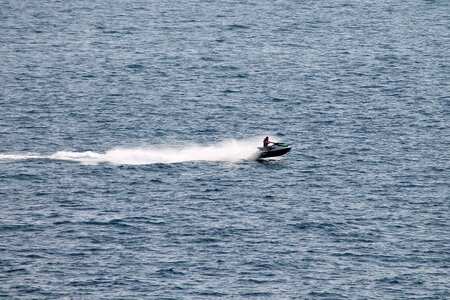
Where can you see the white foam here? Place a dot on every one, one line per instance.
(229, 150)
(5, 157)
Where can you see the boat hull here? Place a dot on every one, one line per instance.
(266, 152)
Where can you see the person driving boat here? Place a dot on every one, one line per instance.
(266, 142)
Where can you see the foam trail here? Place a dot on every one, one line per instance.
(230, 150)
(5, 157)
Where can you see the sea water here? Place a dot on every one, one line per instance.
(128, 133)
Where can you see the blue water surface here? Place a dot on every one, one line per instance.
(359, 209)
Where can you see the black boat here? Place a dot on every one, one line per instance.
(274, 149)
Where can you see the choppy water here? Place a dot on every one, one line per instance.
(127, 138)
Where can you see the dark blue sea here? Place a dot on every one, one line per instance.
(129, 131)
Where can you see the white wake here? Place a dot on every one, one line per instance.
(229, 151)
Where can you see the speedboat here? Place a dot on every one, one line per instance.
(274, 149)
